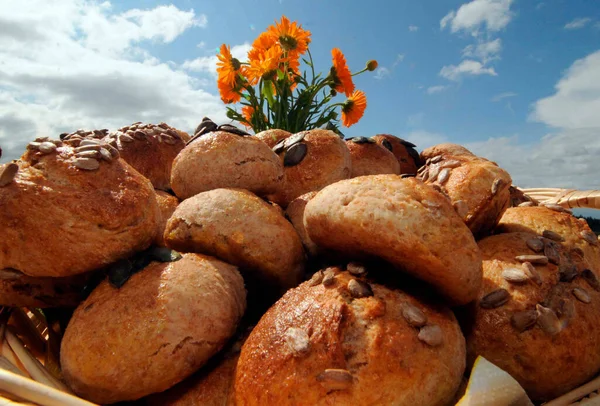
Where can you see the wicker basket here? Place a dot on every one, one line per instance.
(29, 346)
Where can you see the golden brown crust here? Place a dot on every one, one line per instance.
(242, 229)
(59, 220)
(576, 232)
(402, 221)
(561, 350)
(404, 152)
(295, 213)
(220, 160)
(167, 204)
(327, 161)
(20, 290)
(151, 150)
(446, 149)
(157, 329)
(312, 329)
(273, 136)
(478, 188)
(369, 158)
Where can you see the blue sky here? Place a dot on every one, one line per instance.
(517, 81)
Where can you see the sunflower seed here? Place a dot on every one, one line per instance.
(359, 289)
(356, 269)
(89, 142)
(316, 279)
(34, 145)
(361, 140)
(88, 148)
(434, 171)
(461, 208)
(413, 315)
(498, 183)
(590, 277)
(140, 135)
(451, 164)
(297, 340)
(112, 148)
(535, 244)
(58, 143)
(294, 139)
(551, 252)
(581, 295)
(547, 320)
(41, 139)
(88, 164)
(431, 335)
(566, 312)
(335, 379)
(421, 169)
(494, 299)
(295, 154)
(168, 140)
(524, 320)
(328, 277)
(557, 207)
(590, 237)
(436, 159)
(515, 275)
(425, 175)
(551, 235)
(47, 147)
(279, 147)
(567, 272)
(534, 259)
(526, 204)
(98, 133)
(428, 161)
(162, 124)
(125, 138)
(8, 173)
(105, 154)
(443, 176)
(387, 145)
(577, 252)
(89, 154)
(532, 273)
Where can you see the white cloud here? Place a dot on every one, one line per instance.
(201, 44)
(71, 64)
(399, 59)
(424, 139)
(576, 102)
(485, 51)
(382, 72)
(436, 89)
(413, 28)
(472, 16)
(502, 96)
(209, 63)
(577, 23)
(466, 67)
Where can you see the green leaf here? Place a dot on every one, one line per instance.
(267, 91)
(307, 62)
(280, 74)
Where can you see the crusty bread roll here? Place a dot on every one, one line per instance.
(404, 152)
(273, 136)
(162, 325)
(167, 204)
(242, 229)
(222, 159)
(150, 149)
(402, 221)
(340, 340)
(71, 210)
(478, 188)
(534, 319)
(370, 158)
(312, 160)
(295, 213)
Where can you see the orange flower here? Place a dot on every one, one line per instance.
(229, 93)
(263, 65)
(227, 66)
(354, 108)
(341, 74)
(248, 112)
(290, 36)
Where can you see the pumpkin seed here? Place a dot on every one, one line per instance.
(551, 252)
(295, 154)
(335, 379)
(443, 176)
(359, 289)
(328, 277)
(356, 269)
(534, 259)
(524, 320)
(413, 315)
(547, 320)
(297, 340)
(431, 335)
(387, 145)
(8, 173)
(498, 183)
(47, 147)
(551, 235)
(436, 159)
(589, 237)
(532, 273)
(316, 279)
(494, 299)
(88, 164)
(63, 135)
(119, 273)
(461, 208)
(515, 275)
(581, 295)
(232, 129)
(567, 272)
(125, 138)
(590, 277)
(361, 140)
(535, 244)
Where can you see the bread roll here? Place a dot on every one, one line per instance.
(369, 158)
(167, 204)
(273, 136)
(404, 152)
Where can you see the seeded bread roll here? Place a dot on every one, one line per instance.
(272, 137)
(20, 290)
(369, 158)
(312, 160)
(402, 221)
(478, 188)
(404, 152)
(295, 213)
(222, 159)
(150, 149)
(71, 210)
(242, 229)
(167, 204)
(534, 319)
(340, 340)
(446, 149)
(557, 223)
(162, 325)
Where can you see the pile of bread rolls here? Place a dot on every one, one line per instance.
(293, 269)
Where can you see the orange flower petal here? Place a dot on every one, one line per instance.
(354, 108)
(343, 79)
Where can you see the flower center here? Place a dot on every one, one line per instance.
(348, 106)
(288, 43)
(235, 63)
